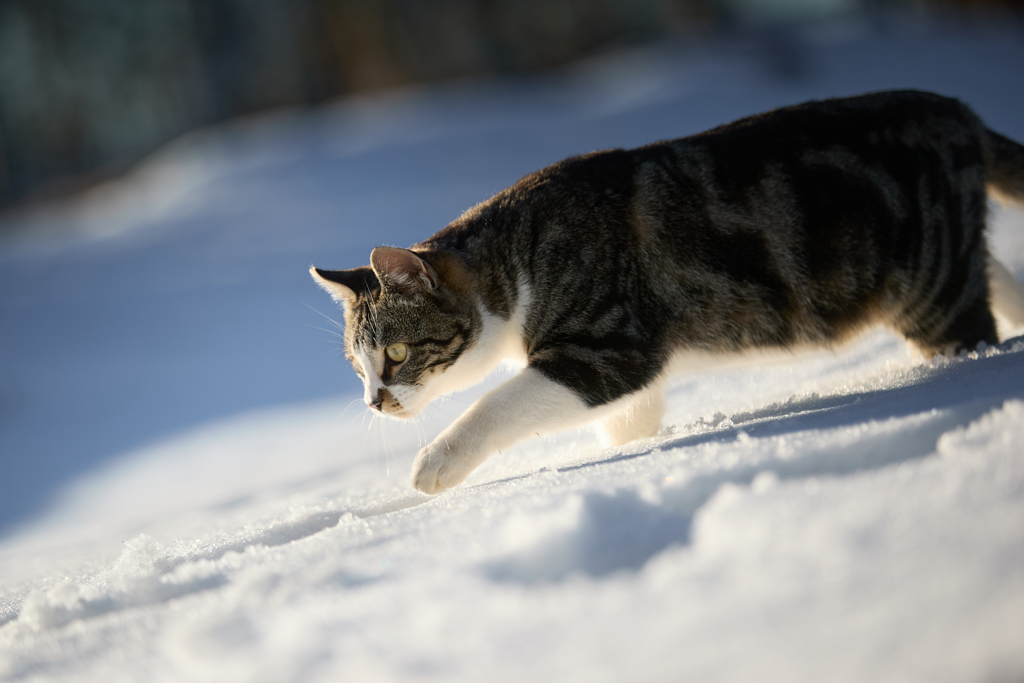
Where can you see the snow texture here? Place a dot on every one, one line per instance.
(186, 497)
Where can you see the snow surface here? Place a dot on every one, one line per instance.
(187, 498)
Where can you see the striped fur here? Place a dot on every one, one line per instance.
(798, 227)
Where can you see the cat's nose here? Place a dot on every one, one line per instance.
(377, 402)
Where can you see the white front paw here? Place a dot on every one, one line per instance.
(440, 466)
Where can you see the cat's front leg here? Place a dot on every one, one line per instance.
(528, 404)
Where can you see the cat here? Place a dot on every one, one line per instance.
(604, 273)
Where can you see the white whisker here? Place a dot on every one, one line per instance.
(331, 320)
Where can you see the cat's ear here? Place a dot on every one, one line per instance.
(345, 285)
(402, 268)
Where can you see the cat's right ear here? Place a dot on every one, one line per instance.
(344, 286)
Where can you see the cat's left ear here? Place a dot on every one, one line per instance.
(402, 268)
(345, 286)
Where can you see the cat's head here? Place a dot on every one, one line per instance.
(409, 318)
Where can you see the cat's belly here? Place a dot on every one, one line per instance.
(687, 361)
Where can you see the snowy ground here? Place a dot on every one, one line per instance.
(187, 498)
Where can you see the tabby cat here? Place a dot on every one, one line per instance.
(604, 273)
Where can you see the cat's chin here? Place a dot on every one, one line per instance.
(404, 413)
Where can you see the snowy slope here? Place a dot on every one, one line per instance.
(850, 517)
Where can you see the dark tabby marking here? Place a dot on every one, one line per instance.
(796, 227)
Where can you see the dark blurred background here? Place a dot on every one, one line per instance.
(87, 87)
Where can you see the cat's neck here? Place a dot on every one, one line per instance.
(500, 341)
(483, 250)
(504, 336)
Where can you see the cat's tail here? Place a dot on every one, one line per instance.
(1005, 168)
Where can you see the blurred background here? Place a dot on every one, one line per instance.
(170, 168)
(87, 87)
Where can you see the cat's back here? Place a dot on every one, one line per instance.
(885, 128)
(902, 117)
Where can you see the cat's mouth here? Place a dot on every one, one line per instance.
(390, 403)
(401, 412)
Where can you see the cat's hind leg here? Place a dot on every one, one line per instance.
(972, 323)
(1006, 293)
(639, 418)
(952, 313)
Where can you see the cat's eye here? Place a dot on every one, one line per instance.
(397, 352)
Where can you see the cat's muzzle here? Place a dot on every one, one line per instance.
(385, 403)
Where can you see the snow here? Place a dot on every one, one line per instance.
(187, 497)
